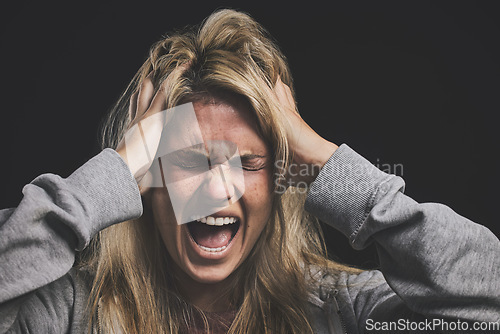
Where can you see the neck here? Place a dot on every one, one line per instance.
(209, 297)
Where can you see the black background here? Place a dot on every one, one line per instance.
(402, 82)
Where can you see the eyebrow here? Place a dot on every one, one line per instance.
(195, 149)
(252, 156)
(200, 149)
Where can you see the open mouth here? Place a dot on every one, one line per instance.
(213, 234)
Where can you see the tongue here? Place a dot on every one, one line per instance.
(211, 236)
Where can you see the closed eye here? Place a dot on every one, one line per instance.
(253, 162)
(189, 160)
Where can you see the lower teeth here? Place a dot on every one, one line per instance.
(218, 249)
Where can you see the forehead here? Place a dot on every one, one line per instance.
(212, 112)
(229, 121)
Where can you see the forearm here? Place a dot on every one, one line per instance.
(439, 263)
(57, 216)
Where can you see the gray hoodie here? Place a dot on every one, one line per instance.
(434, 264)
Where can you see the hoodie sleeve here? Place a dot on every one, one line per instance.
(436, 262)
(55, 218)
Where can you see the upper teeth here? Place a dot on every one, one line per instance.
(218, 221)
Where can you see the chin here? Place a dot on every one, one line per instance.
(210, 274)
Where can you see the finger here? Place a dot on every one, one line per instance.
(144, 98)
(282, 90)
(132, 107)
(158, 102)
(287, 92)
(289, 95)
(284, 95)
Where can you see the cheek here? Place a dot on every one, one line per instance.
(164, 218)
(258, 193)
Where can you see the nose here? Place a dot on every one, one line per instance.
(218, 186)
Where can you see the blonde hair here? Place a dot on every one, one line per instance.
(133, 289)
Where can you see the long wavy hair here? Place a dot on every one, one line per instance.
(134, 289)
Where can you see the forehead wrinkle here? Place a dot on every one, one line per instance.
(224, 120)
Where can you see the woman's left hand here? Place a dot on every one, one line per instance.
(309, 150)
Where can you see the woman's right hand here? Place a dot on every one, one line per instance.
(140, 143)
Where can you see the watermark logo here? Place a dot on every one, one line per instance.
(357, 177)
(389, 168)
(431, 325)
